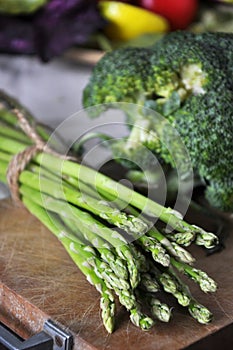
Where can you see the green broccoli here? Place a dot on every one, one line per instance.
(188, 79)
(120, 76)
(116, 79)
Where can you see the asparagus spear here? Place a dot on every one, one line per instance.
(8, 104)
(200, 312)
(159, 310)
(197, 310)
(106, 251)
(158, 253)
(207, 239)
(8, 131)
(206, 283)
(126, 296)
(172, 248)
(107, 302)
(140, 258)
(141, 320)
(86, 220)
(137, 317)
(148, 283)
(130, 224)
(173, 284)
(182, 238)
(103, 209)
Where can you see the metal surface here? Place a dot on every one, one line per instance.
(40, 341)
(62, 340)
(51, 338)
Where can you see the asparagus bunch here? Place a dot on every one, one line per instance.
(97, 220)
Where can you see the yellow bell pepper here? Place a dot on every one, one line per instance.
(127, 21)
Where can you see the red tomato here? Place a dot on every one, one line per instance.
(180, 13)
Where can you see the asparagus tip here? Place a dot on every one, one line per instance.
(141, 320)
(200, 313)
(160, 310)
(207, 239)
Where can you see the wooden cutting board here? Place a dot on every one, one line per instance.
(39, 281)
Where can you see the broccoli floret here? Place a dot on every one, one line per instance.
(188, 79)
(120, 76)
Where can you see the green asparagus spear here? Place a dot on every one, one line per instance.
(206, 283)
(107, 302)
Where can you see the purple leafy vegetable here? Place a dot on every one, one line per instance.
(51, 30)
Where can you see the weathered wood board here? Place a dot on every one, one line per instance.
(39, 281)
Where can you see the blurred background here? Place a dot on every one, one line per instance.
(48, 47)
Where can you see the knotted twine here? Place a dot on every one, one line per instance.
(21, 159)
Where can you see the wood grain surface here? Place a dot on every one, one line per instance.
(39, 281)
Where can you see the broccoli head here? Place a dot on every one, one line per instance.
(188, 79)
